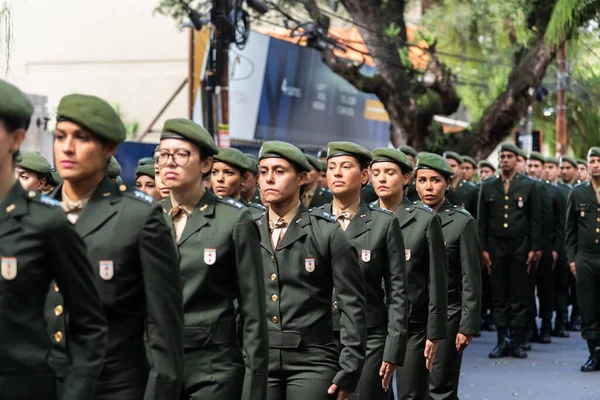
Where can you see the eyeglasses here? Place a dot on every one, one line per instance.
(180, 157)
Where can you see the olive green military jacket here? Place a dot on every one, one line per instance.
(411, 190)
(556, 216)
(426, 267)
(516, 214)
(38, 244)
(135, 264)
(256, 197)
(256, 209)
(313, 257)
(320, 198)
(464, 264)
(367, 194)
(465, 195)
(582, 233)
(220, 261)
(376, 236)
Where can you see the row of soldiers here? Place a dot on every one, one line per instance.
(108, 294)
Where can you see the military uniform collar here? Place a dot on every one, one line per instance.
(273, 217)
(352, 208)
(15, 202)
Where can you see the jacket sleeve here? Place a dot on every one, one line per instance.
(252, 306)
(164, 308)
(571, 228)
(535, 216)
(350, 292)
(86, 323)
(396, 295)
(438, 281)
(473, 203)
(470, 261)
(482, 218)
(560, 208)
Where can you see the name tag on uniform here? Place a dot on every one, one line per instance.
(407, 254)
(9, 268)
(107, 269)
(309, 264)
(366, 255)
(210, 256)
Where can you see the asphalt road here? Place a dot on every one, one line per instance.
(551, 372)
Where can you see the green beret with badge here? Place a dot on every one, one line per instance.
(94, 115)
(289, 152)
(435, 162)
(570, 160)
(253, 163)
(235, 158)
(386, 154)
(510, 147)
(145, 169)
(581, 161)
(145, 161)
(336, 149)
(184, 129)
(14, 104)
(34, 162)
(552, 160)
(113, 169)
(315, 162)
(467, 159)
(536, 156)
(453, 156)
(594, 151)
(486, 164)
(408, 150)
(322, 153)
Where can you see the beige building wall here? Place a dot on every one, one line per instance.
(115, 49)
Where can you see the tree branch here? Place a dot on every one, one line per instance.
(351, 72)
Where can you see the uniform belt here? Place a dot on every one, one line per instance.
(211, 334)
(322, 334)
(592, 249)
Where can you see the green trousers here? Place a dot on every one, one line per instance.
(369, 386)
(588, 294)
(443, 380)
(413, 377)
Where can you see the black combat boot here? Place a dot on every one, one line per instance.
(545, 331)
(517, 343)
(593, 363)
(501, 350)
(559, 326)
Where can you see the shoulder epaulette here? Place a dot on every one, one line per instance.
(135, 194)
(230, 201)
(317, 212)
(49, 201)
(579, 184)
(461, 210)
(374, 207)
(551, 183)
(257, 206)
(422, 206)
(472, 184)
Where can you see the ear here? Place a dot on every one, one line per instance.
(206, 165)
(302, 178)
(244, 178)
(41, 184)
(364, 176)
(18, 137)
(111, 149)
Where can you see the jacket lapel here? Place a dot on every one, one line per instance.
(445, 213)
(265, 235)
(103, 205)
(199, 218)
(167, 207)
(404, 214)
(294, 231)
(14, 206)
(499, 185)
(360, 222)
(514, 184)
(591, 193)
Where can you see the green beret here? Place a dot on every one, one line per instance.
(570, 160)
(322, 153)
(57, 180)
(289, 152)
(315, 162)
(181, 128)
(552, 160)
(118, 180)
(422, 153)
(594, 151)
(536, 156)
(386, 154)
(409, 151)
(453, 155)
(581, 161)
(34, 162)
(436, 163)
(336, 149)
(145, 169)
(235, 158)
(94, 115)
(510, 147)
(13, 103)
(145, 161)
(467, 159)
(253, 161)
(486, 164)
(113, 169)
(323, 165)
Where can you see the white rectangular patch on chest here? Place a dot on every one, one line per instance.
(9, 268)
(106, 269)
(407, 254)
(210, 256)
(366, 255)
(309, 264)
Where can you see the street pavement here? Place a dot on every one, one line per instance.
(550, 372)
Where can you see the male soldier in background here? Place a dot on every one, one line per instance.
(250, 192)
(509, 228)
(582, 170)
(486, 169)
(469, 167)
(461, 192)
(521, 162)
(568, 174)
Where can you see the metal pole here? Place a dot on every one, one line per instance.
(191, 81)
(221, 10)
(561, 106)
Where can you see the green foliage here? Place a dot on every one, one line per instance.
(174, 8)
(568, 14)
(131, 127)
(393, 30)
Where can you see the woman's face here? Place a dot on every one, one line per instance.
(147, 185)
(180, 164)
(226, 180)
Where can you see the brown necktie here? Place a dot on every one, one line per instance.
(277, 231)
(306, 199)
(177, 211)
(344, 218)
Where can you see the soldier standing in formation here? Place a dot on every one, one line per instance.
(468, 167)
(313, 195)
(411, 190)
(509, 229)
(461, 192)
(145, 179)
(464, 274)
(32, 171)
(377, 238)
(582, 170)
(219, 262)
(427, 271)
(250, 192)
(486, 169)
(305, 256)
(133, 257)
(583, 247)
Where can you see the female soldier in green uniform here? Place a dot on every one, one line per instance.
(427, 271)
(376, 236)
(220, 262)
(144, 180)
(38, 245)
(305, 255)
(464, 274)
(133, 256)
(32, 171)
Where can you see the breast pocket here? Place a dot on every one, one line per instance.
(583, 210)
(491, 198)
(520, 200)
